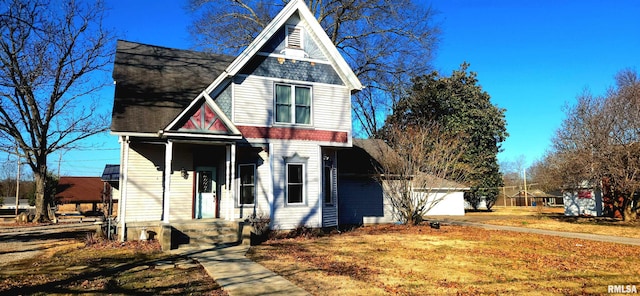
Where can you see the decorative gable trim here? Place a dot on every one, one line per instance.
(203, 117)
(343, 69)
(296, 158)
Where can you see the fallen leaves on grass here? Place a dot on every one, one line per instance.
(396, 259)
(106, 268)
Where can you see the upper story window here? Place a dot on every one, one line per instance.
(293, 104)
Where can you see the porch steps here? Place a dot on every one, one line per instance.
(205, 233)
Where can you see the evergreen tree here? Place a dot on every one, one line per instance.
(459, 105)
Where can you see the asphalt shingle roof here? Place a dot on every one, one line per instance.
(154, 84)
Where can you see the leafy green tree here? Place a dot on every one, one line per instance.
(459, 105)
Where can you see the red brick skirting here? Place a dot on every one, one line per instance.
(289, 133)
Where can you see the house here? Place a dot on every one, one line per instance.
(514, 196)
(362, 199)
(81, 194)
(111, 176)
(585, 201)
(212, 136)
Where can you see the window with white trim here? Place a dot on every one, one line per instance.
(295, 183)
(247, 173)
(293, 104)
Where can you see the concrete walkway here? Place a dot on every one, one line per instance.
(577, 235)
(238, 275)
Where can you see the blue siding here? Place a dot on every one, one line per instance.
(298, 70)
(359, 198)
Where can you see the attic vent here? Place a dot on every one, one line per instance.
(294, 37)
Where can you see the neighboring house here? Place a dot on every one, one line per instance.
(81, 194)
(214, 136)
(362, 199)
(518, 197)
(111, 176)
(9, 203)
(585, 201)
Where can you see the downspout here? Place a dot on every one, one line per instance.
(122, 206)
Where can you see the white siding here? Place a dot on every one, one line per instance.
(181, 199)
(576, 204)
(263, 189)
(331, 108)
(444, 203)
(290, 216)
(144, 186)
(253, 104)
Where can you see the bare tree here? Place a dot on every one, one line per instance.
(49, 51)
(512, 171)
(421, 169)
(7, 179)
(386, 43)
(600, 140)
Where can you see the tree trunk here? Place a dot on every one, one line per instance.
(42, 213)
(628, 214)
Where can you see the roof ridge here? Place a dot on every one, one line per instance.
(174, 49)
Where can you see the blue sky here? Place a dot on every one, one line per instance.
(532, 57)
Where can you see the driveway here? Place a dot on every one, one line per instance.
(17, 243)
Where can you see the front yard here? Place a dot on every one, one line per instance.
(553, 219)
(106, 268)
(394, 259)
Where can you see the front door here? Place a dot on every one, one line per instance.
(206, 192)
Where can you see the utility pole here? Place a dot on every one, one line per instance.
(17, 182)
(524, 173)
(59, 161)
(504, 196)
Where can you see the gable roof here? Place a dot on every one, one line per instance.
(513, 193)
(331, 52)
(154, 84)
(111, 173)
(224, 126)
(365, 156)
(79, 189)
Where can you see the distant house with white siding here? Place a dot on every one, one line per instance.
(213, 136)
(583, 202)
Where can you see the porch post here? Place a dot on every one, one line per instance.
(123, 180)
(230, 194)
(168, 156)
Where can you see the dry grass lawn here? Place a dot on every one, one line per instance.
(106, 268)
(454, 260)
(554, 219)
